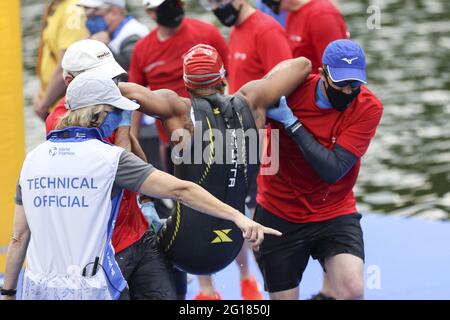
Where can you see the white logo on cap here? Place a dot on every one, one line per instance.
(349, 61)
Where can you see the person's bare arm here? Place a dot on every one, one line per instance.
(164, 104)
(123, 138)
(180, 121)
(56, 89)
(162, 185)
(136, 147)
(16, 250)
(282, 80)
(136, 119)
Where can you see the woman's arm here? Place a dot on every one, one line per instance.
(16, 250)
(163, 185)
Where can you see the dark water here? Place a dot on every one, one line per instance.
(407, 168)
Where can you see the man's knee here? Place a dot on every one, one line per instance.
(290, 294)
(350, 288)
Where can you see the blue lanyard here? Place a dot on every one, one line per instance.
(76, 134)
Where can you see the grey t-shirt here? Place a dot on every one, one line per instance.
(131, 174)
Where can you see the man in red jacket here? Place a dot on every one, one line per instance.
(311, 26)
(324, 132)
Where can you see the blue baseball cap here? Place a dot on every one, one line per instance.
(345, 60)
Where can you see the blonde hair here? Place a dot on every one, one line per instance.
(87, 117)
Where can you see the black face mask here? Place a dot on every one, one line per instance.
(170, 13)
(227, 14)
(273, 5)
(338, 99)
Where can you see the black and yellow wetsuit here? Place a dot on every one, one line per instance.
(198, 243)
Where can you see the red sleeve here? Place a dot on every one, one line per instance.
(54, 116)
(325, 29)
(111, 139)
(356, 137)
(135, 72)
(218, 42)
(273, 47)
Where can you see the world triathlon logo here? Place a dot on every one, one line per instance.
(53, 151)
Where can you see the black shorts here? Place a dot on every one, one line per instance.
(282, 260)
(180, 278)
(147, 270)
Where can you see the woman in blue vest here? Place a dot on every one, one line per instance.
(68, 195)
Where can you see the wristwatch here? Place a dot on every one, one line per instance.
(8, 292)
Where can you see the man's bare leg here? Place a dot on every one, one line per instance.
(345, 273)
(290, 294)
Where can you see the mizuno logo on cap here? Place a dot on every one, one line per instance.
(349, 61)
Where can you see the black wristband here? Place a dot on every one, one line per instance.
(293, 127)
(8, 292)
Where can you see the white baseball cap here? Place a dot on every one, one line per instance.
(91, 56)
(151, 4)
(99, 3)
(89, 89)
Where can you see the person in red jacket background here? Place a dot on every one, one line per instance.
(324, 132)
(311, 25)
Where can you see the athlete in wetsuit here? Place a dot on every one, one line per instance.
(195, 243)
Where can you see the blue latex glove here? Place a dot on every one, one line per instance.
(247, 212)
(126, 119)
(282, 113)
(149, 211)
